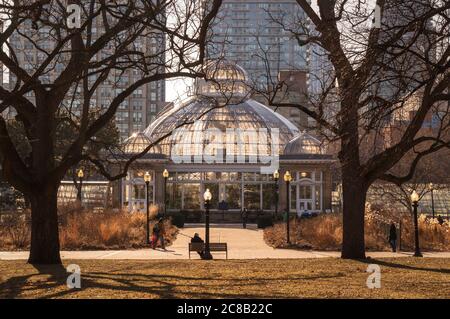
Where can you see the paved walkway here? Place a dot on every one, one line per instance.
(242, 244)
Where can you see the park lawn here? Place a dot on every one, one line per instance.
(280, 278)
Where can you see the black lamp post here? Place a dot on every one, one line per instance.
(431, 187)
(415, 202)
(207, 196)
(276, 177)
(165, 175)
(147, 178)
(287, 179)
(80, 178)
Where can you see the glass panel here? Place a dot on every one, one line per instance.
(173, 196)
(126, 194)
(194, 176)
(214, 189)
(304, 174)
(269, 196)
(302, 206)
(233, 196)
(305, 192)
(251, 196)
(249, 176)
(210, 176)
(137, 174)
(234, 176)
(138, 192)
(183, 176)
(224, 176)
(261, 177)
(305, 205)
(318, 197)
(191, 196)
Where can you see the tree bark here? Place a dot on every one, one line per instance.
(44, 227)
(354, 194)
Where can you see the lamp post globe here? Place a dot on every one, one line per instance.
(166, 176)
(276, 177)
(147, 179)
(80, 175)
(415, 203)
(207, 196)
(431, 188)
(287, 178)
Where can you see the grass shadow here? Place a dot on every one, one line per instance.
(402, 266)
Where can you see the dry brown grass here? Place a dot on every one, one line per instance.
(14, 231)
(84, 229)
(279, 278)
(324, 232)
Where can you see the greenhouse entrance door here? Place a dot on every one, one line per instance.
(305, 198)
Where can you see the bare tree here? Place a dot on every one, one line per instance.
(73, 63)
(383, 77)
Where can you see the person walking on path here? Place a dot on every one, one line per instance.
(244, 215)
(162, 233)
(393, 237)
(158, 234)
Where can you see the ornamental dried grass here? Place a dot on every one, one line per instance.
(324, 232)
(82, 229)
(109, 230)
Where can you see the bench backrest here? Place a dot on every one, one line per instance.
(218, 246)
(212, 246)
(196, 246)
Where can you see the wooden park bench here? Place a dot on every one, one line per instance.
(213, 247)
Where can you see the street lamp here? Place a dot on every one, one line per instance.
(287, 179)
(165, 175)
(207, 196)
(147, 178)
(431, 188)
(276, 177)
(415, 202)
(80, 177)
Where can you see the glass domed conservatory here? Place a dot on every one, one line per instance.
(223, 140)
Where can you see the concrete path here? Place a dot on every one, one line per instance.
(242, 244)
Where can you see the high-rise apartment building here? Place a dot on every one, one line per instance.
(133, 115)
(247, 32)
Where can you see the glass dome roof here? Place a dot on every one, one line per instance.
(137, 142)
(303, 144)
(186, 124)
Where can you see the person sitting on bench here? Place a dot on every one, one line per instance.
(198, 239)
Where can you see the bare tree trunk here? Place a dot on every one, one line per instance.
(354, 194)
(44, 227)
